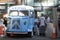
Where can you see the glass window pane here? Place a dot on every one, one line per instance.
(13, 13)
(23, 13)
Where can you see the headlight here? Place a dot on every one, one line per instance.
(29, 30)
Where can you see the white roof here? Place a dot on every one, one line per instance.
(21, 7)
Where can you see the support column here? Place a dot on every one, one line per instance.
(55, 19)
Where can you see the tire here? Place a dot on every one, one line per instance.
(30, 34)
(36, 30)
(8, 35)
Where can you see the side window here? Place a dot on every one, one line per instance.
(23, 13)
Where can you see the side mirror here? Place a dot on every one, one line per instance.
(31, 15)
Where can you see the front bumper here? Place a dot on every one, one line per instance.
(17, 32)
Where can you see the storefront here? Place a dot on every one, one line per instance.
(3, 8)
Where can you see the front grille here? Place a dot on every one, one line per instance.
(16, 24)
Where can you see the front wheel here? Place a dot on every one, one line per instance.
(30, 34)
(8, 35)
(36, 30)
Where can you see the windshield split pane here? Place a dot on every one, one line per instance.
(18, 13)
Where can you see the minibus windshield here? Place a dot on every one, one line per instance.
(23, 13)
(19, 13)
(13, 13)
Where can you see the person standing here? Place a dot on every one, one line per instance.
(42, 25)
(48, 19)
(36, 27)
(48, 26)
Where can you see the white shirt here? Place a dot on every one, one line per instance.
(42, 21)
(48, 20)
(36, 20)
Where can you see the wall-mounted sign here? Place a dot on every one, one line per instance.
(39, 7)
(2, 7)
